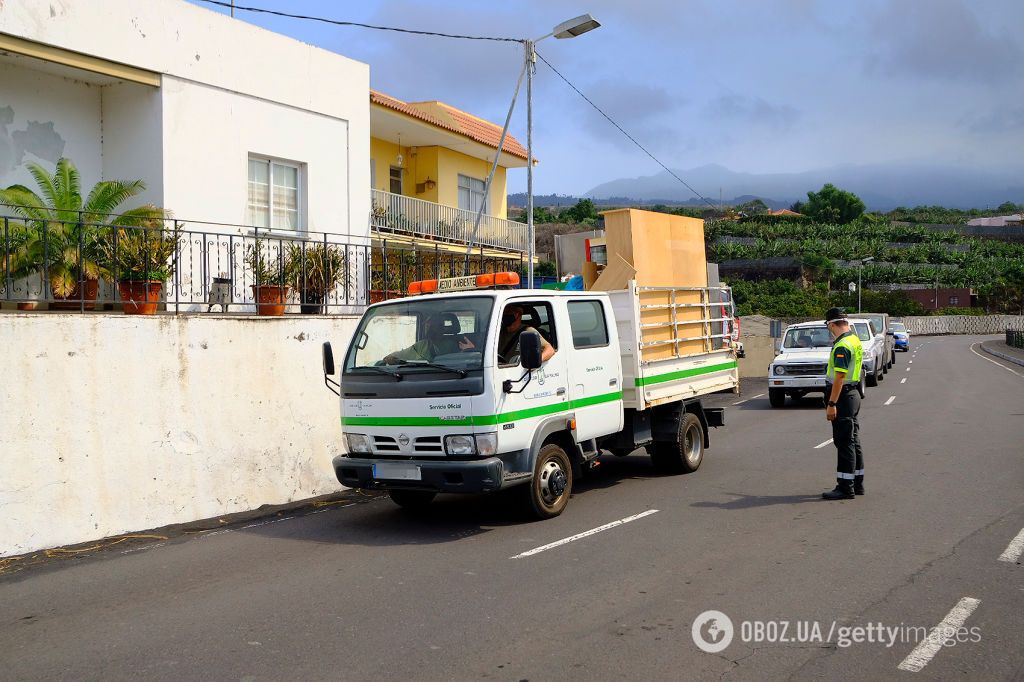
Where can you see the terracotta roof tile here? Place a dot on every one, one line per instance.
(454, 120)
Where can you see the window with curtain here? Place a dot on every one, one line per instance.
(471, 194)
(274, 194)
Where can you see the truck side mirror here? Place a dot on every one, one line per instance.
(328, 358)
(328, 354)
(529, 350)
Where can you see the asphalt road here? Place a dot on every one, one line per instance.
(369, 592)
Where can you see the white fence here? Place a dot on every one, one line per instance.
(962, 324)
(407, 215)
(117, 423)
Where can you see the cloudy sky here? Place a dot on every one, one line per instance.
(755, 85)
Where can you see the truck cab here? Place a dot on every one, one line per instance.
(448, 391)
(801, 366)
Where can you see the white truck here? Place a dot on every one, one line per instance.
(436, 397)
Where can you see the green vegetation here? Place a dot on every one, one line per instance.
(782, 298)
(832, 205)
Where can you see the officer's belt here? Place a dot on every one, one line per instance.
(846, 387)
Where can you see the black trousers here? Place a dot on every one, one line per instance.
(846, 436)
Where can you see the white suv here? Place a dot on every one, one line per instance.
(801, 365)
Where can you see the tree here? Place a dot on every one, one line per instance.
(63, 232)
(583, 212)
(544, 268)
(753, 207)
(833, 205)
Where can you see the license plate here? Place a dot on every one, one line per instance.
(397, 471)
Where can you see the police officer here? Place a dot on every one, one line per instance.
(843, 404)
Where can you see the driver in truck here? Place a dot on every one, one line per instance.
(440, 332)
(511, 327)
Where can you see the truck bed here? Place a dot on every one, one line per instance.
(672, 344)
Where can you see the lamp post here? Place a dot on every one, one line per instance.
(860, 270)
(567, 29)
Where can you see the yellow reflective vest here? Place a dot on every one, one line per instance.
(847, 356)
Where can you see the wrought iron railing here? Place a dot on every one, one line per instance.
(394, 264)
(1015, 338)
(84, 264)
(407, 215)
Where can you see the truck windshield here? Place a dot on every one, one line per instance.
(808, 337)
(423, 334)
(863, 333)
(876, 319)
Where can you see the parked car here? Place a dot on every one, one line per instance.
(901, 336)
(801, 365)
(881, 322)
(874, 350)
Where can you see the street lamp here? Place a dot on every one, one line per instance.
(860, 270)
(567, 29)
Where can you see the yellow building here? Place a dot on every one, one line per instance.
(428, 166)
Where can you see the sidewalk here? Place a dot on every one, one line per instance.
(1001, 350)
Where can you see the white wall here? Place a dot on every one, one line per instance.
(193, 45)
(132, 130)
(116, 423)
(207, 139)
(30, 103)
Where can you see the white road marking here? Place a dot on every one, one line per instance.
(1014, 549)
(889, 401)
(910, 362)
(750, 398)
(821, 445)
(585, 534)
(908, 369)
(997, 364)
(903, 380)
(928, 647)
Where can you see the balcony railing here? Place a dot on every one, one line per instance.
(82, 265)
(406, 215)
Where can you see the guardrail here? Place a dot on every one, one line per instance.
(1015, 338)
(82, 264)
(407, 215)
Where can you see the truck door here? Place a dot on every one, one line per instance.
(594, 371)
(547, 393)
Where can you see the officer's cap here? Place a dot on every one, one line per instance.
(834, 314)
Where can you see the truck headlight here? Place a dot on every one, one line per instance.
(357, 442)
(459, 445)
(780, 370)
(487, 444)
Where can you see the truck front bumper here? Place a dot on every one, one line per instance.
(441, 475)
(802, 383)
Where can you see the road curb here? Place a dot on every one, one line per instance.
(1003, 356)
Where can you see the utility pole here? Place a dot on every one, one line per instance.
(531, 62)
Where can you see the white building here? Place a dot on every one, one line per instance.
(225, 122)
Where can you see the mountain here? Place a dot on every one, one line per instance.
(881, 186)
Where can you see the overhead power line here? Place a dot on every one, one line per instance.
(623, 131)
(337, 22)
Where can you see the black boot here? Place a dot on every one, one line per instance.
(840, 492)
(858, 485)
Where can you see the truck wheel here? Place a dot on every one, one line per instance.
(412, 499)
(549, 491)
(776, 397)
(872, 379)
(892, 361)
(880, 375)
(885, 368)
(683, 455)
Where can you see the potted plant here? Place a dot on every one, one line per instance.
(315, 271)
(64, 231)
(270, 272)
(141, 258)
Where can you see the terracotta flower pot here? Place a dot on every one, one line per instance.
(73, 300)
(270, 298)
(139, 297)
(28, 305)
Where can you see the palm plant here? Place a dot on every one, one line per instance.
(315, 271)
(62, 231)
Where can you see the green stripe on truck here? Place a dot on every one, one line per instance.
(484, 420)
(684, 373)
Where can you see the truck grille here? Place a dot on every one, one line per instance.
(428, 444)
(808, 370)
(385, 444)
